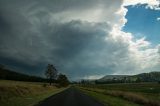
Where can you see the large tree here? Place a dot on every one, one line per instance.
(51, 73)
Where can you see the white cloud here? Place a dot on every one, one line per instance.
(134, 2)
(152, 4)
(158, 19)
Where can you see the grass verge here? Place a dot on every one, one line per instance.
(16, 93)
(129, 96)
(109, 100)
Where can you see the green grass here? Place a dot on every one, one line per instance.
(152, 88)
(16, 93)
(142, 93)
(109, 100)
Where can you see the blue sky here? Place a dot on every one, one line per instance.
(143, 22)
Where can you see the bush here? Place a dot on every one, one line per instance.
(62, 80)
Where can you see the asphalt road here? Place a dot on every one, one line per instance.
(70, 97)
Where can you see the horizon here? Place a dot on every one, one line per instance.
(83, 39)
(78, 80)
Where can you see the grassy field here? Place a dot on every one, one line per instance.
(16, 93)
(142, 94)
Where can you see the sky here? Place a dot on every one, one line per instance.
(84, 39)
(146, 23)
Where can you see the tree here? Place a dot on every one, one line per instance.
(51, 73)
(63, 80)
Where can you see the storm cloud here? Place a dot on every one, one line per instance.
(83, 38)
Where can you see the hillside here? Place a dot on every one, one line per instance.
(148, 77)
(7, 74)
(108, 77)
(143, 77)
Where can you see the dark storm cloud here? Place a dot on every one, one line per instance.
(34, 33)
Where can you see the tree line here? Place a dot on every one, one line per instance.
(7, 74)
(51, 73)
(53, 77)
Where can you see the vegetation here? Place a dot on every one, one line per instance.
(51, 73)
(18, 93)
(147, 94)
(52, 76)
(62, 80)
(109, 100)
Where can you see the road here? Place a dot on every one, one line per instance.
(70, 97)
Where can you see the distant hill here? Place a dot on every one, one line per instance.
(143, 77)
(110, 77)
(147, 77)
(7, 74)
